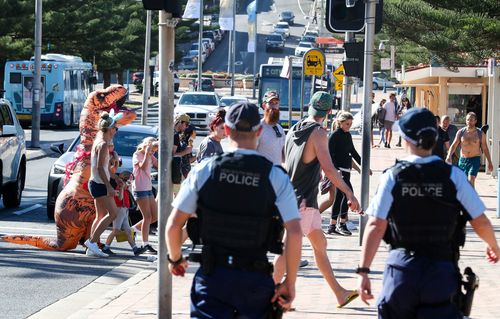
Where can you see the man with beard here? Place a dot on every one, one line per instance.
(272, 141)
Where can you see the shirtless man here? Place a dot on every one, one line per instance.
(472, 141)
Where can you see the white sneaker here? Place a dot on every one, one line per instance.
(93, 249)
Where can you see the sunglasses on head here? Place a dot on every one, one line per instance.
(277, 131)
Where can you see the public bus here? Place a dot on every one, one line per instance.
(270, 80)
(66, 82)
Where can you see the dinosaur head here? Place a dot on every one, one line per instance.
(111, 98)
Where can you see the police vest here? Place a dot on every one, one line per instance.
(236, 212)
(425, 216)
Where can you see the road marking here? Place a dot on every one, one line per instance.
(28, 209)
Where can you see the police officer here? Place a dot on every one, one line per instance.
(420, 210)
(241, 201)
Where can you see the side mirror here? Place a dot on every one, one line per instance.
(58, 148)
(8, 130)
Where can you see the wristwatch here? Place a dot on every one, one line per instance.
(175, 262)
(362, 270)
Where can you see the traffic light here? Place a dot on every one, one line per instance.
(171, 6)
(354, 52)
(349, 16)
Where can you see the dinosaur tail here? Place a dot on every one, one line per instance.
(37, 241)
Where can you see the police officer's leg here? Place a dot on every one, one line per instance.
(209, 296)
(439, 285)
(319, 244)
(252, 296)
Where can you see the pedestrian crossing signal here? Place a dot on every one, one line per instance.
(170, 6)
(341, 18)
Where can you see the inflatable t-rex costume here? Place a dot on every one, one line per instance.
(75, 210)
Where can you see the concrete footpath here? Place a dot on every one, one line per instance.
(137, 297)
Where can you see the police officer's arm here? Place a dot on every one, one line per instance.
(483, 228)
(175, 223)
(320, 143)
(486, 151)
(453, 147)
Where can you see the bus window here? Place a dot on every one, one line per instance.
(15, 78)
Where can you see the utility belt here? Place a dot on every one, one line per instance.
(441, 255)
(208, 260)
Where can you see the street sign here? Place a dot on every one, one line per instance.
(339, 77)
(314, 62)
(385, 63)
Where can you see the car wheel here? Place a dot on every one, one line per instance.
(13, 192)
(375, 86)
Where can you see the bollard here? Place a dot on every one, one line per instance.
(498, 193)
(385, 88)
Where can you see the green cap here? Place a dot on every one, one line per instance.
(321, 103)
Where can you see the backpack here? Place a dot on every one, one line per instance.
(461, 132)
(380, 116)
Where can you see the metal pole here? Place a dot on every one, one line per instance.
(233, 48)
(128, 82)
(200, 46)
(37, 88)
(145, 88)
(393, 61)
(346, 85)
(290, 83)
(255, 51)
(302, 79)
(229, 49)
(367, 105)
(166, 121)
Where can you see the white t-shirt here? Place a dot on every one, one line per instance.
(270, 145)
(390, 111)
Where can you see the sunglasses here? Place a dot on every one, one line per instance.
(277, 131)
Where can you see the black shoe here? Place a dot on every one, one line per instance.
(332, 229)
(388, 145)
(138, 250)
(148, 250)
(385, 145)
(398, 145)
(303, 263)
(108, 251)
(342, 229)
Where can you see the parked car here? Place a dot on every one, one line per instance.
(193, 54)
(287, 16)
(308, 38)
(311, 33)
(156, 81)
(125, 141)
(137, 77)
(275, 41)
(210, 43)
(207, 85)
(12, 156)
(198, 105)
(187, 63)
(302, 48)
(381, 79)
(213, 35)
(282, 27)
(194, 46)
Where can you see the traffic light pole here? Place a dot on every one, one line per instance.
(37, 87)
(147, 82)
(166, 118)
(346, 85)
(370, 6)
(200, 46)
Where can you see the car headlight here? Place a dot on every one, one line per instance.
(58, 169)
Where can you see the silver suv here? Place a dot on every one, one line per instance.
(12, 156)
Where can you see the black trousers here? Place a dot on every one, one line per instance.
(339, 207)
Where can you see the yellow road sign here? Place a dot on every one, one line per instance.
(338, 85)
(314, 62)
(339, 77)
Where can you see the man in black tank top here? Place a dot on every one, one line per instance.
(306, 154)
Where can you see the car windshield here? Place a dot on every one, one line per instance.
(282, 25)
(275, 37)
(125, 142)
(305, 44)
(286, 14)
(228, 101)
(308, 39)
(197, 99)
(187, 60)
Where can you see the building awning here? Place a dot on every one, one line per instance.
(329, 40)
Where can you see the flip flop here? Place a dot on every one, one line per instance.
(353, 295)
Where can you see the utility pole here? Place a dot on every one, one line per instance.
(255, 50)
(166, 118)
(37, 87)
(200, 46)
(233, 48)
(370, 6)
(393, 61)
(346, 86)
(290, 88)
(145, 88)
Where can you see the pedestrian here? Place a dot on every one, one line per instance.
(452, 130)
(144, 160)
(405, 106)
(380, 122)
(442, 145)
(306, 154)
(241, 201)
(187, 138)
(389, 119)
(181, 123)
(121, 222)
(99, 182)
(418, 211)
(272, 141)
(342, 153)
(472, 141)
(315, 18)
(211, 146)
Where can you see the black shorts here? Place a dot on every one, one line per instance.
(97, 189)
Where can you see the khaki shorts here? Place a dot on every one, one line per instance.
(310, 219)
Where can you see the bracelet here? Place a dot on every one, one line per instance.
(175, 262)
(362, 270)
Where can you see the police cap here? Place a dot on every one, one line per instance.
(243, 117)
(417, 123)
